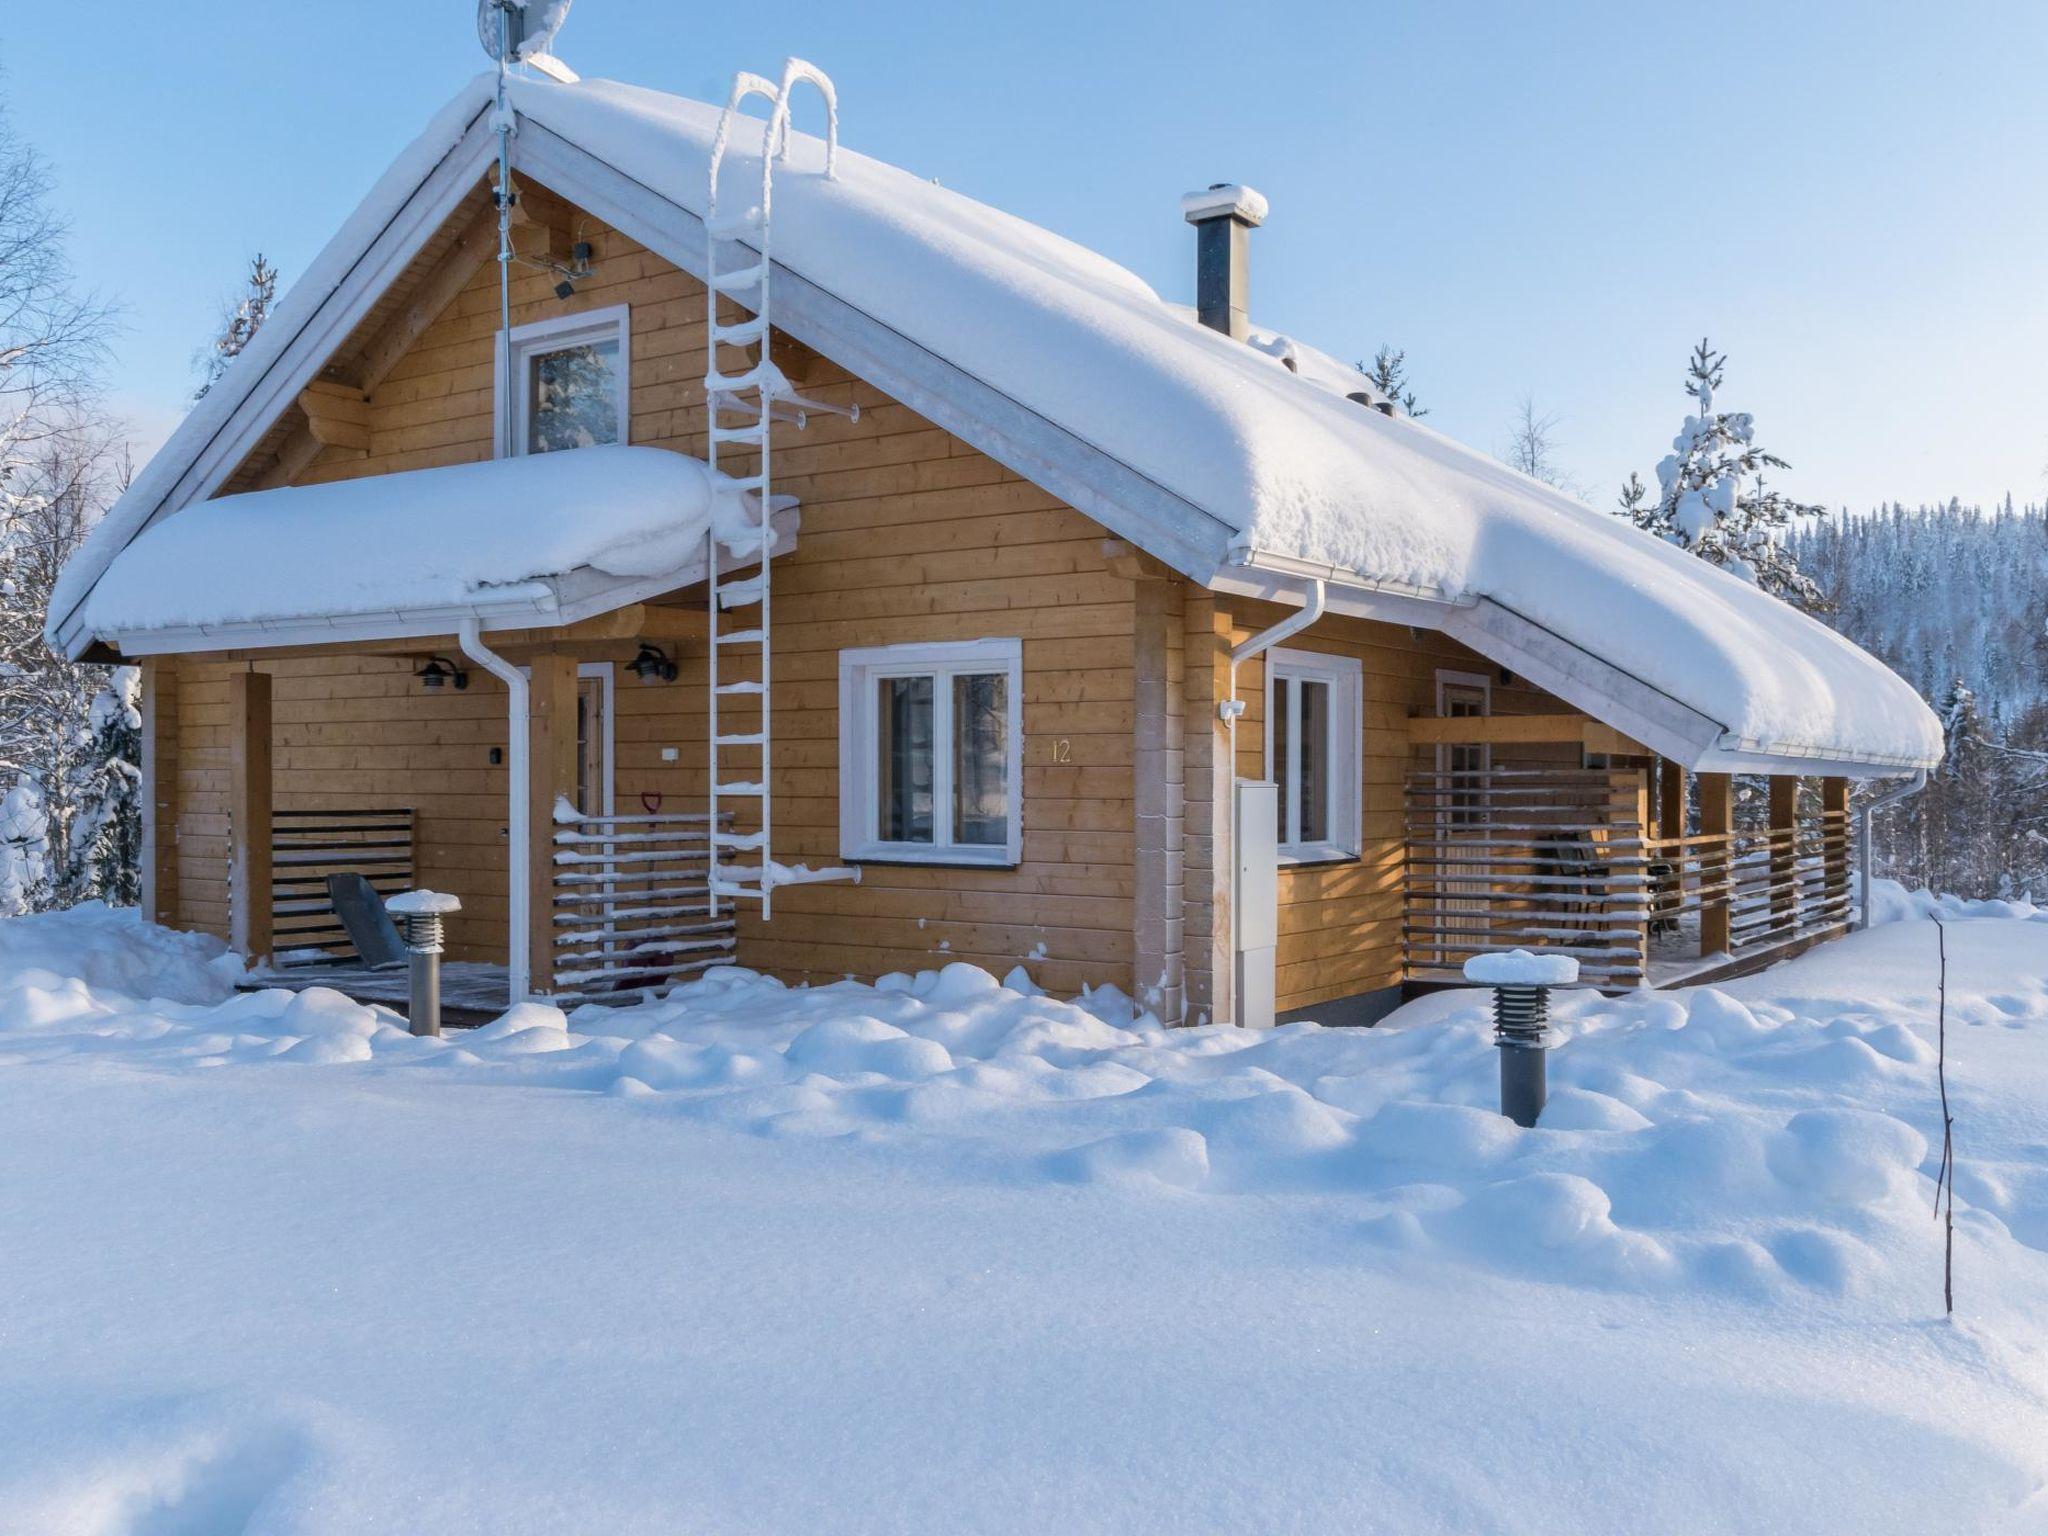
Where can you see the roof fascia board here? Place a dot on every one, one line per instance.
(1127, 503)
(267, 396)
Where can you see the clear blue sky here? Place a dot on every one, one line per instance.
(1554, 198)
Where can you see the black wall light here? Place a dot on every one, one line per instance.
(652, 665)
(440, 672)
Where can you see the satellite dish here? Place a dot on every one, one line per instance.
(528, 28)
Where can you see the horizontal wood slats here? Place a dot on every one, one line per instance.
(306, 846)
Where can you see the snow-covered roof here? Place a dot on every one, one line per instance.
(468, 537)
(1259, 465)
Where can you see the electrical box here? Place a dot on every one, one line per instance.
(1258, 899)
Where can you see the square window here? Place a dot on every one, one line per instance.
(569, 382)
(930, 752)
(1313, 708)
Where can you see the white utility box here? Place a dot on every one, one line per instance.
(1258, 899)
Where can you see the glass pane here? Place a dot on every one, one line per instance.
(981, 758)
(1314, 785)
(1277, 770)
(903, 728)
(572, 398)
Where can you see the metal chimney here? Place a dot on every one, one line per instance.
(1224, 216)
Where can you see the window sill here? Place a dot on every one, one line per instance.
(1309, 854)
(935, 858)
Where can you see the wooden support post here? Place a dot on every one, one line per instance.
(1835, 845)
(1784, 851)
(1670, 799)
(159, 702)
(1717, 818)
(551, 774)
(1628, 814)
(1209, 966)
(1158, 797)
(249, 815)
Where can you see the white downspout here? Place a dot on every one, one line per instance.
(1230, 709)
(518, 961)
(1863, 817)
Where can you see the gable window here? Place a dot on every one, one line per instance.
(931, 752)
(568, 381)
(1313, 707)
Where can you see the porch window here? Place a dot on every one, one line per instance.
(1466, 765)
(568, 381)
(931, 752)
(1313, 707)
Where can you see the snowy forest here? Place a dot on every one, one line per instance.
(1955, 599)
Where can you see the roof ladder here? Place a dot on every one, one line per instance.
(742, 390)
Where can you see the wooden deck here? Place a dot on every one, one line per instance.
(471, 993)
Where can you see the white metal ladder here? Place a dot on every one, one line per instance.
(748, 398)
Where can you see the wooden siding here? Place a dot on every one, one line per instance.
(1340, 923)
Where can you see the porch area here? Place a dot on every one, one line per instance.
(1554, 833)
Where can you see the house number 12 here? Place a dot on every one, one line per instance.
(1063, 751)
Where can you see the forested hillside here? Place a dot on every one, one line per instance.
(1956, 599)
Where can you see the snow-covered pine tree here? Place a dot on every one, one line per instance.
(1712, 498)
(241, 319)
(24, 850)
(1388, 375)
(103, 857)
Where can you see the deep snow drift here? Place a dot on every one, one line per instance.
(945, 1254)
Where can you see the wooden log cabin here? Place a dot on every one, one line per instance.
(1129, 644)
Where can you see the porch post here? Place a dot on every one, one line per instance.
(1717, 819)
(1670, 799)
(1158, 794)
(159, 766)
(1628, 809)
(1784, 851)
(1835, 840)
(551, 773)
(249, 815)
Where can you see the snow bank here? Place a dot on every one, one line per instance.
(892, 1252)
(1891, 902)
(1658, 1165)
(422, 539)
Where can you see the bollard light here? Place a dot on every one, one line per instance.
(1521, 983)
(421, 913)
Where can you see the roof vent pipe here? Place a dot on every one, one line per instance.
(1224, 216)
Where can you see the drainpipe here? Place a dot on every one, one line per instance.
(1232, 707)
(518, 962)
(1883, 802)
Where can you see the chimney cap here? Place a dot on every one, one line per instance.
(1225, 199)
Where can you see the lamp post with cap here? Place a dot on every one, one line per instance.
(421, 913)
(1521, 983)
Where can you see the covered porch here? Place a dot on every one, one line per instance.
(1558, 833)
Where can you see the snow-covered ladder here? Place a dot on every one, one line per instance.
(747, 397)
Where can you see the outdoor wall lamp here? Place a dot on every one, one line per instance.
(439, 672)
(652, 665)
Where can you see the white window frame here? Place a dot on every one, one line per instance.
(859, 806)
(1345, 676)
(1450, 815)
(551, 335)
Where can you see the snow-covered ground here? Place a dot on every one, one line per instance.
(943, 1256)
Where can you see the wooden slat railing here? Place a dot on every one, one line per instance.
(306, 846)
(1777, 885)
(632, 905)
(1526, 858)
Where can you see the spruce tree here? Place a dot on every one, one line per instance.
(1712, 498)
(104, 853)
(241, 319)
(1388, 375)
